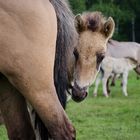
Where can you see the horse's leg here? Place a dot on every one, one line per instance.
(121, 77)
(97, 82)
(138, 77)
(124, 82)
(107, 85)
(104, 83)
(52, 114)
(14, 111)
(113, 80)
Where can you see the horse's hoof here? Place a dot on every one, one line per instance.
(106, 95)
(94, 94)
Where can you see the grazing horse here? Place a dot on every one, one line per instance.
(35, 67)
(111, 65)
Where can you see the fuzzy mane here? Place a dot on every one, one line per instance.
(66, 40)
(93, 21)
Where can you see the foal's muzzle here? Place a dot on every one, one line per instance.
(78, 93)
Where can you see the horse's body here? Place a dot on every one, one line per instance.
(124, 49)
(27, 43)
(111, 66)
(32, 66)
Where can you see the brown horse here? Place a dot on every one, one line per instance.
(31, 65)
(27, 43)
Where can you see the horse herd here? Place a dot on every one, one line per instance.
(46, 52)
(121, 57)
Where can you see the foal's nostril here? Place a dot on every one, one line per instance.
(78, 93)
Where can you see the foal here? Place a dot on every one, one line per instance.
(116, 66)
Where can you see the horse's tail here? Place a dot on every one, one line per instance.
(66, 37)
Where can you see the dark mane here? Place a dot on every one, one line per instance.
(66, 39)
(93, 21)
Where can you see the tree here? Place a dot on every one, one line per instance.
(78, 6)
(109, 8)
(126, 14)
(88, 4)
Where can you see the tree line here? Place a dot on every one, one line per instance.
(126, 14)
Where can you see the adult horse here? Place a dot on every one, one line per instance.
(27, 45)
(123, 49)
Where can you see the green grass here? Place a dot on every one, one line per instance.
(115, 118)
(99, 118)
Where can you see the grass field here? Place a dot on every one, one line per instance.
(115, 118)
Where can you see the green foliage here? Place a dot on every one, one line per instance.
(109, 9)
(78, 6)
(123, 11)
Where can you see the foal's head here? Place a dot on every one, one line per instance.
(94, 31)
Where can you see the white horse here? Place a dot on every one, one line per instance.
(124, 49)
(111, 66)
(121, 49)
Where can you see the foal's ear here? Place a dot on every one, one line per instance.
(79, 24)
(109, 27)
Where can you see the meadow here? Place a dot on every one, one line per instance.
(113, 118)
(100, 118)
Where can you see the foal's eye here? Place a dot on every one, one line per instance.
(100, 57)
(76, 54)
